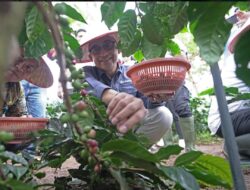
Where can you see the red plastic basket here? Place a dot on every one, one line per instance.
(160, 75)
(21, 127)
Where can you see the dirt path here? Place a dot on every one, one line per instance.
(214, 149)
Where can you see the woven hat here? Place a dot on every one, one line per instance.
(35, 72)
(95, 32)
(234, 38)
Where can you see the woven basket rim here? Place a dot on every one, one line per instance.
(31, 119)
(152, 62)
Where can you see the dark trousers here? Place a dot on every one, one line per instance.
(240, 121)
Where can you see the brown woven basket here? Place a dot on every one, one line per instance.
(160, 75)
(21, 127)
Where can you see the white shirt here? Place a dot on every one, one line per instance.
(229, 79)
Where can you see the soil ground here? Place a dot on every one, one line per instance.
(214, 149)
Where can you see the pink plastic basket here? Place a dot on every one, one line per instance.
(160, 75)
(21, 127)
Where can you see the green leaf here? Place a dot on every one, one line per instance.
(34, 25)
(212, 170)
(138, 162)
(209, 91)
(18, 171)
(166, 152)
(148, 177)
(243, 96)
(128, 49)
(197, 9)
(40, 46)
(14, 157)
(146, 7)
(138, 55)
(57, 162)
(177, 18)
(129, 147)
(173, 47)
(243, 5)
(22, 37)
(152, 29)
(127, 28)
(212, 31)
(230, 91)
(19, 185)
(242, 57)
(40, 175)
(181, 177)
(112, 11)
(72, 42)
(65, 9)
(187, 158)
(151, 50)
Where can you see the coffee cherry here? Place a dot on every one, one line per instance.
(92, 133)
(83, 138)
(91, 161)
(85, 84)
(84, 114)
(65, 118)
(93, 150)
(87, 129)
(92, 143)
(80, 105)
(84, 92)
(74, 74)
(63, 107)
(75, 117)
(77, 84)
(71, 67)
(84, 154)
(97, 168)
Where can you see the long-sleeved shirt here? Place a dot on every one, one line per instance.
(98, 82)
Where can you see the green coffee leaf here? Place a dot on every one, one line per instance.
(112, 11)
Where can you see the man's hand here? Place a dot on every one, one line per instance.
(125, 111)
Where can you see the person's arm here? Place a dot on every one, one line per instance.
(108, 95)
(124, 110)
(96, 87)
(18, 109)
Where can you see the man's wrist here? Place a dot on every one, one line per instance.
(108, 95)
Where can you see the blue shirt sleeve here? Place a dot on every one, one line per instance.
(121, 84)
(96, 87)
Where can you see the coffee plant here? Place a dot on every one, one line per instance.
(80, 127)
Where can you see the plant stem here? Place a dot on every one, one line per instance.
(50, 20)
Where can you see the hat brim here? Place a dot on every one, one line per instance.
(234, 38)
(38, 74)
(85, 46)
(41, 76)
